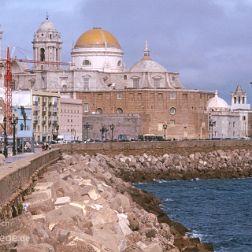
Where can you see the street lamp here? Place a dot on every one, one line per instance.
(112, 127)
(73, 130)
(5, 137)
(87, 126)
(103, 131)
(165, 128)
(211, 125)
(14, 122)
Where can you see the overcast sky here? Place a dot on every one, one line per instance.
(209, 42)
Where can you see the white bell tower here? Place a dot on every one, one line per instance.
(46, 46)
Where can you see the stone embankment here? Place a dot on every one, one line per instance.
(215, 164)
(81, 204)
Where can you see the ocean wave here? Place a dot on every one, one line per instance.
(196, 234)
(168, 200)
(160, 181)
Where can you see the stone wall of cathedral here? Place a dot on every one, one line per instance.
(182, 110)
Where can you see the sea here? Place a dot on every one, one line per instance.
(218, 211)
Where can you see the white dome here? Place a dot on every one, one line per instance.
(147, 65)
(46, 26)
(217, 104)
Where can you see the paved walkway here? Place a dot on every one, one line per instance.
(19, 156)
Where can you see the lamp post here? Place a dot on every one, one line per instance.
(112, 127)
(5, 137)
(14, 122)
(211, 125)
(87, 126)
(165, 128)
(73, 130)
(103, 131)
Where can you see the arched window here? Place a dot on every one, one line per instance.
(119, 63)
(172, 111)
(119, 111)
(86, 63)
(42, 54)
(99, 111)
(64, 87)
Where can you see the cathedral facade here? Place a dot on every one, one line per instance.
(96, 75)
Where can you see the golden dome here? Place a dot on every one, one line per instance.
(97, 37)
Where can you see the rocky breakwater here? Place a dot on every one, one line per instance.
(79, 204)
(215, 164)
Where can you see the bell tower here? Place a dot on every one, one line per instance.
(46, 46)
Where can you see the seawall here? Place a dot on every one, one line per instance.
(155, 148)
(17, 177)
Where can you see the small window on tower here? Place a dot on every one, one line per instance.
(119, 63)
(86, 63)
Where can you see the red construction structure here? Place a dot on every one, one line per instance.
(8, 93)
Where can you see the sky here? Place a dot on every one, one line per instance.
(209, 42)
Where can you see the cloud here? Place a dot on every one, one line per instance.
(209, 42)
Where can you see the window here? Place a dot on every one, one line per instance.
(86, 63)
(172, 111)
(135, 82)
(156, 81)
(119, 63)
(160, 97)
(125, 77)
(99, 96)
(185, 96)
(119, 111)
(173, 96)
(86, 82)
(99, 111)
(119, 96)
(172, 122)
(42, 54)
(243, 100)
(234, 100)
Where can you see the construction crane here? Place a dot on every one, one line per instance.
(8, 93)
(8, 84)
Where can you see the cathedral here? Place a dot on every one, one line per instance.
(144, 99)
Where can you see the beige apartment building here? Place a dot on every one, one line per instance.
(70, 119)
(46, 110)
